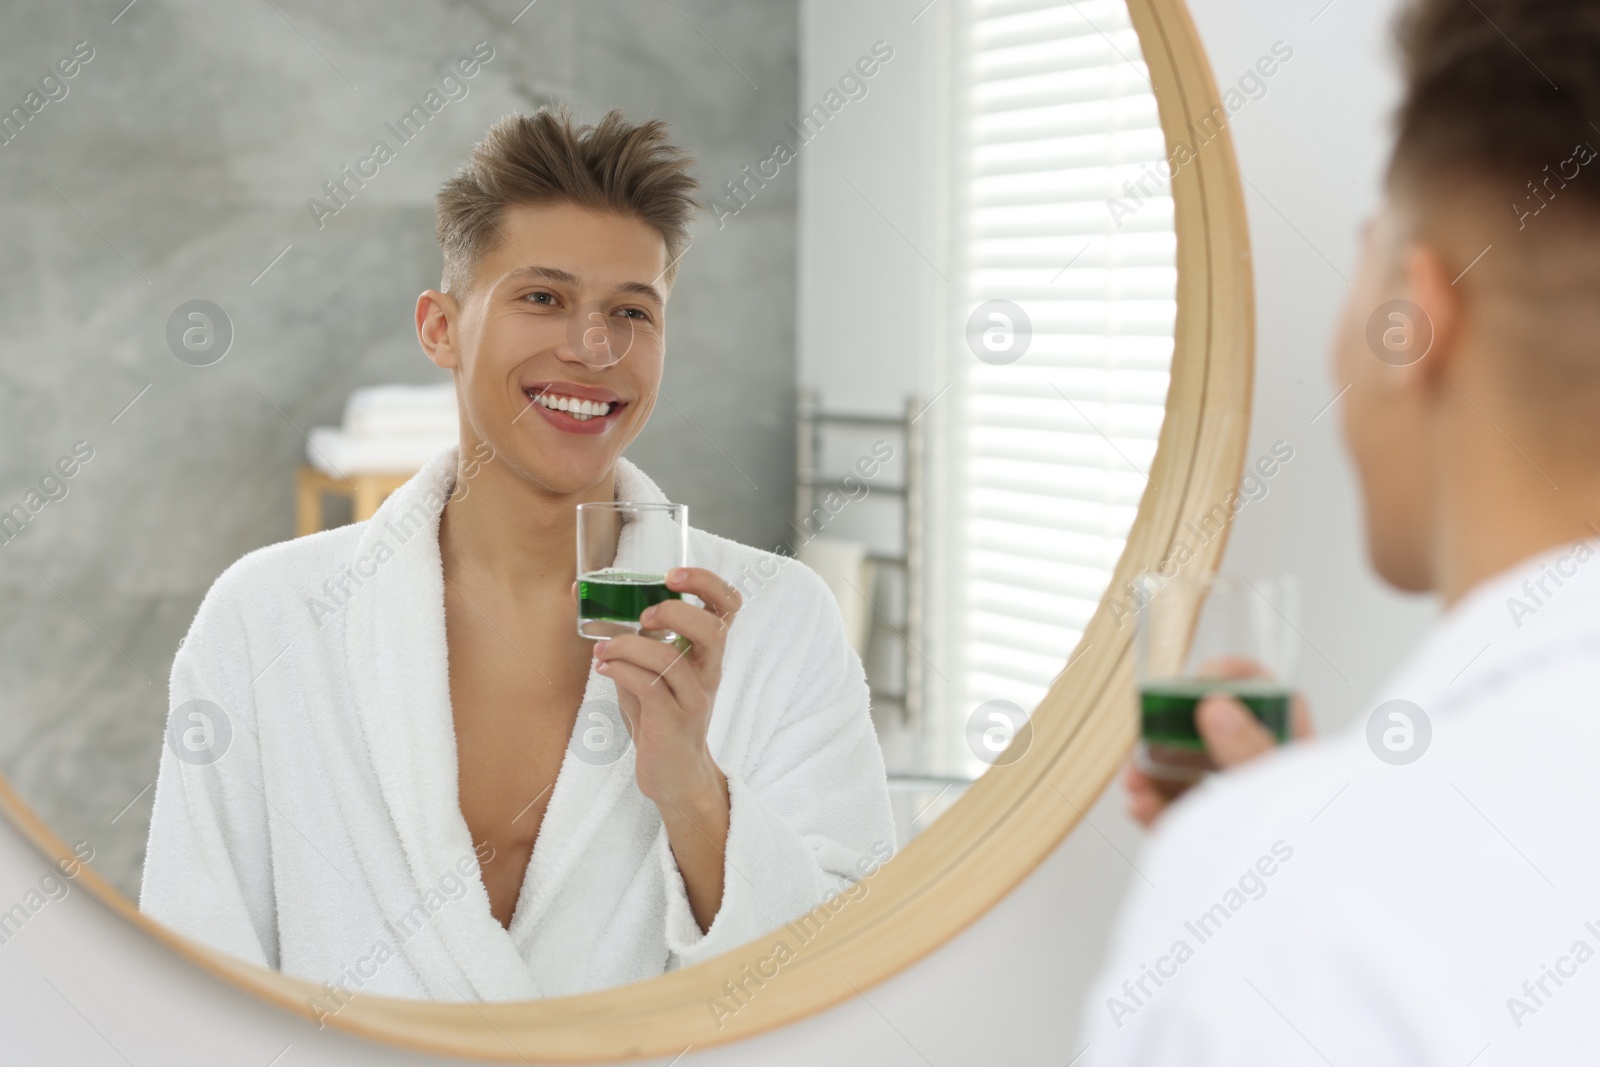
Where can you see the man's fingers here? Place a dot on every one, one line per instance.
(1144, 806)
(1149, 796)
(1300, 726)
(662, 667)
(722, 598)
(631, 678)
(699, 625)
(672, 680)
(644, 652)
(1232, 735)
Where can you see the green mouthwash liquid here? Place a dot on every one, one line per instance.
(1167, 708)
(620, 596)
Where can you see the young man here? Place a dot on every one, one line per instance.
(1425, 890)
(418, 779)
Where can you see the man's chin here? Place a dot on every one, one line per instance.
(569, 476)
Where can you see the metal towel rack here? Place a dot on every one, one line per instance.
(812, 421)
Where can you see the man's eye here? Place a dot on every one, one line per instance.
(540, 298)
(636, 313)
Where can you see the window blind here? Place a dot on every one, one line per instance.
(1056, 112)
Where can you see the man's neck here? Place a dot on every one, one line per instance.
(1505, 498)
(510, 530)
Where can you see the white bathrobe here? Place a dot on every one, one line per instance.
(1420, 890)
(307, 816)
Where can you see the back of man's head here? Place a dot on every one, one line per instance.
(1498, 147)
(1469, 353)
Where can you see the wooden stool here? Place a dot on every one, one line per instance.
(364, 491)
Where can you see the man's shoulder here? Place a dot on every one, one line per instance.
(293, 569)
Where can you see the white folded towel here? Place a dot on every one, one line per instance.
(338, 455)
(402, 410)
(388, 429)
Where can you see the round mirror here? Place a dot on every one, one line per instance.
(958, 343)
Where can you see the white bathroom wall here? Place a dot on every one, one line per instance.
(79, 988)
(867, 260)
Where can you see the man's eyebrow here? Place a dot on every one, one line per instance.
(649, 292)
(566, 277)
(545, 274)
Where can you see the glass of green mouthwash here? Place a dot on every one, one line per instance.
(624, 553)
(1198, 636)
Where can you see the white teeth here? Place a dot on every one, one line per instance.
(581, 410)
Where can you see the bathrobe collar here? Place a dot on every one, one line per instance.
(1534, 611)
(399, 673)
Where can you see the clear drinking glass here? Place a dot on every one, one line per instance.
(624, 553)
(1177, 661)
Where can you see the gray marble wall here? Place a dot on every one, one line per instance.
(175, 164)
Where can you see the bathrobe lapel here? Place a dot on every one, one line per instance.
(399, 672)
(585, 796)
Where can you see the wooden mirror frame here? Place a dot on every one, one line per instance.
(1013, 816)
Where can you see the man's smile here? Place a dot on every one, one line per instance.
(575, 408)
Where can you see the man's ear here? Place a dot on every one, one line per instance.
(436, 318)
(1429, 284)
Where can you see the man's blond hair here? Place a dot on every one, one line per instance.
(617, 166)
